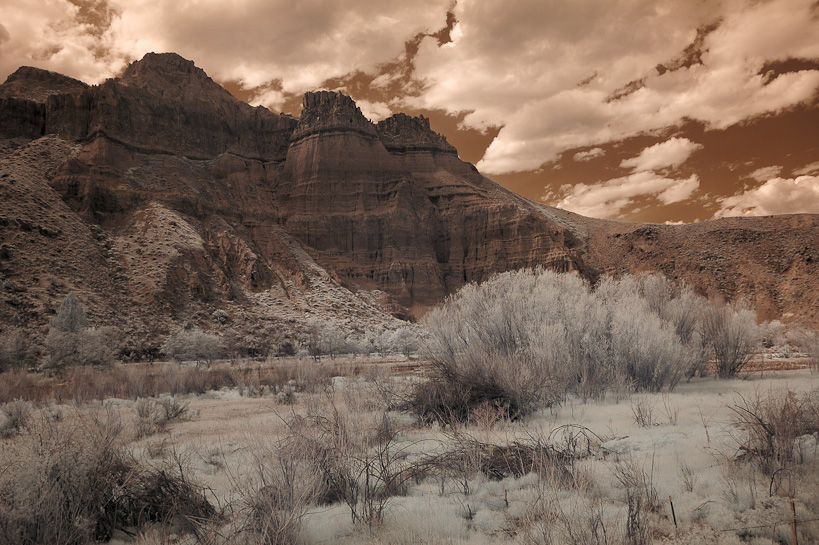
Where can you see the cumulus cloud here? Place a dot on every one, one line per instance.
(668, 154)
(374, 111)
(765, 173)
(300, 44)
(776, 196)
(58, 35)
(584, 156)
(558, 75)
(608, 199)
(269, 97)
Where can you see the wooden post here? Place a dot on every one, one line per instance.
(793, 524)
(673, 514)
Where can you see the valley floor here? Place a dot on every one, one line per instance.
(599, 471)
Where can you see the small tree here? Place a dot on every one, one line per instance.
(405, 340)
(71, 342)
(70, 316)
(733, 335)
(192, 345)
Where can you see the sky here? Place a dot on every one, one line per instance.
(637, 110)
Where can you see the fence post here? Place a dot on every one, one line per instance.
(673, 514)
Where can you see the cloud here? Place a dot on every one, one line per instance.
(812, 168)
(374, 111)
(584, 156)
(765, 173)
(776, 196)
(58, 35)
(671, 153)
(548, 75)
(557, 75)
(271, 98)
(608, 199)
(253, 42)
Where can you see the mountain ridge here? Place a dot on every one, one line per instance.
(194, 201)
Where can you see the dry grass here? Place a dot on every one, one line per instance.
(342, 465)
(139, 380)
(773, 426)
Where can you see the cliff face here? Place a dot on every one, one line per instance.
(23, 99)
(170, 199)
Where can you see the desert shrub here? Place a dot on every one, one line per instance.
(276, 492)
(16, 415)
(71, 481)
(360, 461)
(154, 415)
(17, 351)
(286, 349)
(192, 345)
(546, 456)
(771, 426)
(523, 339)
(20, 385)
(732, 333)
(644, 347)
(326, 339)
(640, 498)
(577, 520)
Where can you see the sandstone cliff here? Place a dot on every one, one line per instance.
(160, 199)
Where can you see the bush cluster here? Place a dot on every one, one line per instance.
(525, 339)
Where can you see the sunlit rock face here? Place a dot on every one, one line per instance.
(163, 198)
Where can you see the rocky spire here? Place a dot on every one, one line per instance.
(331, 111)
(402, 132)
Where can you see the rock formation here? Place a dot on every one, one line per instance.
(160, 199)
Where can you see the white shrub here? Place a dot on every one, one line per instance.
(192, 345)
(525, 338)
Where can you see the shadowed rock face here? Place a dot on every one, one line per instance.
(186, 200)
(23, 100)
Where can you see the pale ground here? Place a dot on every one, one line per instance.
(691, 432)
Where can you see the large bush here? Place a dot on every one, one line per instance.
(524, 339)
(733, 334)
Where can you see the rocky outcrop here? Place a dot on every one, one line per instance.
(402, 133)
(162, 104)
(36, 85)
(182, 200)
(23, 99)
(328, 111)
